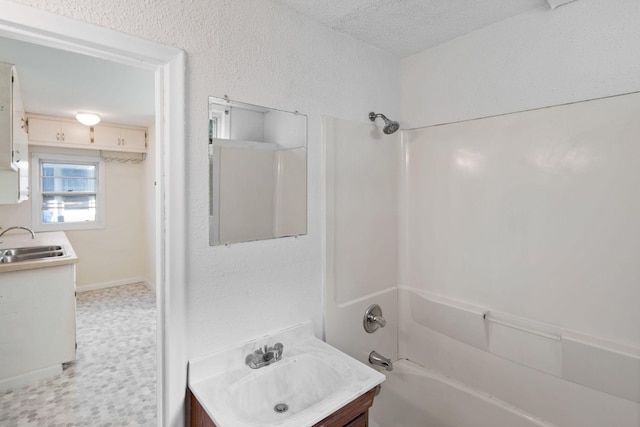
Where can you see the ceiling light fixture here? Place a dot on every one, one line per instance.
(88, 119)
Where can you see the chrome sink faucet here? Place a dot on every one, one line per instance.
(264, 356)
(15, 227)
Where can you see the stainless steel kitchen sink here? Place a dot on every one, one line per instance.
(30, 253)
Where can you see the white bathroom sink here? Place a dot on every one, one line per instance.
(311, 381)
(299, 382)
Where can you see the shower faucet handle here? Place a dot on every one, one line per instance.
(373, 319)
(378, 319)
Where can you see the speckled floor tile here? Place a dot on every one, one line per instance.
(113, 380)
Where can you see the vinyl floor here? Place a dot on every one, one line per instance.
(113, 379)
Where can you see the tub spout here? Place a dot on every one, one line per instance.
(376, 358)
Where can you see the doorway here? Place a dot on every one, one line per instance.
(168, 64)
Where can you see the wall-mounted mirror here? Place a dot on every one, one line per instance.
(257, 172)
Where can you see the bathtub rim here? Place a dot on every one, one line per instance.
(407, 366)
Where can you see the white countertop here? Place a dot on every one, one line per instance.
(22, 239)
(208, 377)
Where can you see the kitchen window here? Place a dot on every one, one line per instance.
(68, 192)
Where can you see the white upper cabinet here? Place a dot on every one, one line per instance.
(59, 132)
(14, 160)
(47, 131)
(120, 138)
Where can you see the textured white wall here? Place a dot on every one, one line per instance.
(583, 50)
(262, 53)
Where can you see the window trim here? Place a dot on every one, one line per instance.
(36, 193)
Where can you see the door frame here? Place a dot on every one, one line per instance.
(168, 63)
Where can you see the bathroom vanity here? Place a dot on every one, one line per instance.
(37, 311)
(311, 385)
(353, 414)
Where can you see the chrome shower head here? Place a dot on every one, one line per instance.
(390, 126)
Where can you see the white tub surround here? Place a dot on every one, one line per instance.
(521, 260)
(415, 396)
(362, 182)
(599, 364)
(214, 380)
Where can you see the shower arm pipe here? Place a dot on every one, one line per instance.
(390, 126)
(486, 316)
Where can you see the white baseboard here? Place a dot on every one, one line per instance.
(19, 381)
(149, 285)
(113, 283)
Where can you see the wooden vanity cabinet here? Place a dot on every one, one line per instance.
(199, 417)
(361, 421)
(354, 414)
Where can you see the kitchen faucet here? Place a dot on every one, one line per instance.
(15, 227)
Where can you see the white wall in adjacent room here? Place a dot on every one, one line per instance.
(116, 254)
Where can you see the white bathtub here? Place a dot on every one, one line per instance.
(413, 396)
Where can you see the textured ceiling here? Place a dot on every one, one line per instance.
(60, 83)
(406, 27)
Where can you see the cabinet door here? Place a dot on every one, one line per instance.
(40, 328)
(107, 136)
(360, 421)
(42, 130)
(6, 140)
(20, 139)
(21, 157)
(75, 133)
(133, 139)
(20, 145)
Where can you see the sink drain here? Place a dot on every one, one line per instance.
(281, 407)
